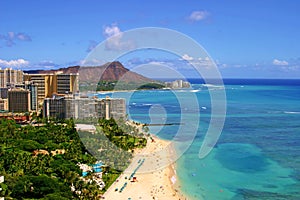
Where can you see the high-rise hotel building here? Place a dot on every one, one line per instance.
(10, 77)
(19, 100)
(84, 108)
(50, 84)
(111, 108)
(15, 86)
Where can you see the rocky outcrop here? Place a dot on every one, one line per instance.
(113, 71)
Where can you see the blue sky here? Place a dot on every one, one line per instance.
(255, 39)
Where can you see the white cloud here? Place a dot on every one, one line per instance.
(157, 63)
(46, 64)
(11, 35)
(157, 69)
(187, 57)
(13, 63)
(115, 39)
(11, 38)
(198, 15)
(92, 62)
(112, 30)
(195, 60)
(201, 61)
(23, 37)
(280, 62)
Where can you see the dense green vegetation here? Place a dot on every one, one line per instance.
(119, 85)
(31, 171)
(43, 176)
(86, 86)
(110, 177)
(113, 142)
(122, 135)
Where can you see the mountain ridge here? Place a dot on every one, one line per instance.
(111, 71)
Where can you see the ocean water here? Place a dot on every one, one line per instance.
(258, 153)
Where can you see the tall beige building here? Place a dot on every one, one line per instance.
(49, 84)
(10, 76)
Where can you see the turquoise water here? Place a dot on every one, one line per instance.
(96, 169)
(258, 153)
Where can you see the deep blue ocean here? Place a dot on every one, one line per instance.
(258, 153)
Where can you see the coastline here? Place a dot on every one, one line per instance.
(155, 178)
(135, 90)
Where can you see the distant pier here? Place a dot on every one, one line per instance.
(165, 124)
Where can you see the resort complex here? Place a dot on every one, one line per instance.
(52, 94)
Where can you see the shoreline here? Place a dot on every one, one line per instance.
(176, 185)
(155, 177)
(115, 91)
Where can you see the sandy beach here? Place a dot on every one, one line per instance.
(154, 173)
